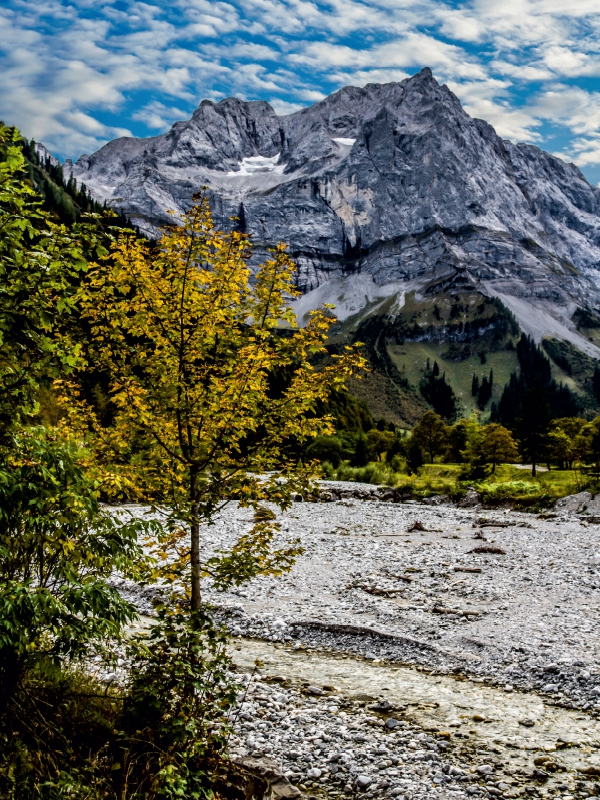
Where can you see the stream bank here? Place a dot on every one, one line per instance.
(343, 726)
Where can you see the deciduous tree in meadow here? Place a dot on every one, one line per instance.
(497, 445)
(431, 433)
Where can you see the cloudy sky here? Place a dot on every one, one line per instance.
(77, 73)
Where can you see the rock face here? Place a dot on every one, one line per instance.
(393, 181)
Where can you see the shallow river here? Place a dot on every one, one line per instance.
(474, 710)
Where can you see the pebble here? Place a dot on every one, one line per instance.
(341, 750)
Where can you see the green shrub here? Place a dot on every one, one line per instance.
(521, 493)
(375, 473)
(58, 547)
(159, 738)
(174, 722)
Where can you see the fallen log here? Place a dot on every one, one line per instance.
(441, 610)
(378, 591)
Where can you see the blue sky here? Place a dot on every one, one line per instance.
(77, 74)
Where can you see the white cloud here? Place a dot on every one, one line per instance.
(283, 107)
(158, 116)
(583, 152)
(459, 25)
(363, 77)
(68, 66)
(571, 107)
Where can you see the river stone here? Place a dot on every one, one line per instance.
(471, 498)
(362, 781)
(573, 502)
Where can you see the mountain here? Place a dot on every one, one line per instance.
(390, 196)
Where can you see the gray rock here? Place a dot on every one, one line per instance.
(393, 181)
(472, 498)
(362, 781)
(573, 503)
(593, 506)
(436, 500)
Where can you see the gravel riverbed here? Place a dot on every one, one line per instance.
(503, 598)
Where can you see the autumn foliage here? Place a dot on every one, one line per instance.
(210, 379)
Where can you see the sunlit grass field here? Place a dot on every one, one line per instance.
(508, 484)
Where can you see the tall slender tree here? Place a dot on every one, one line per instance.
(210, 378)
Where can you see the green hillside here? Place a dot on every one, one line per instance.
(411, 359)
(460, 336)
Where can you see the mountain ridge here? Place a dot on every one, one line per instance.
(395, 182)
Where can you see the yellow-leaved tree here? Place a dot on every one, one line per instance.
(211, 383)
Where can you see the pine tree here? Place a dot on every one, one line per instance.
(596, 382)
(485, 392)
(475, 386)
(533, 379)
(439, 394)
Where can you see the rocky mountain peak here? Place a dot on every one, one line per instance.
(395, 181)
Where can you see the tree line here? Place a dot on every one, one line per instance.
(563, 442)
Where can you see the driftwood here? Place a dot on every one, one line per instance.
(377, 590)
(418, 526)
(467, 569)
(441, 610)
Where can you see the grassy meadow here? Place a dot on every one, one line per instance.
(509, 484)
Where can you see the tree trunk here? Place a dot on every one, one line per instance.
(195, 542)
(10, 675)
(533, 469)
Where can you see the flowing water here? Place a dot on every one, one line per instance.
(480, 713)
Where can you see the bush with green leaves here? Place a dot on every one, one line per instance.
(58, 547)
(161, 736)
(521, 493)
(174, 722)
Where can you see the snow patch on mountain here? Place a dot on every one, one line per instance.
(257, 164)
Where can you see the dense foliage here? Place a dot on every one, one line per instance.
(532, 399)
(438, 393)
(203, 391)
